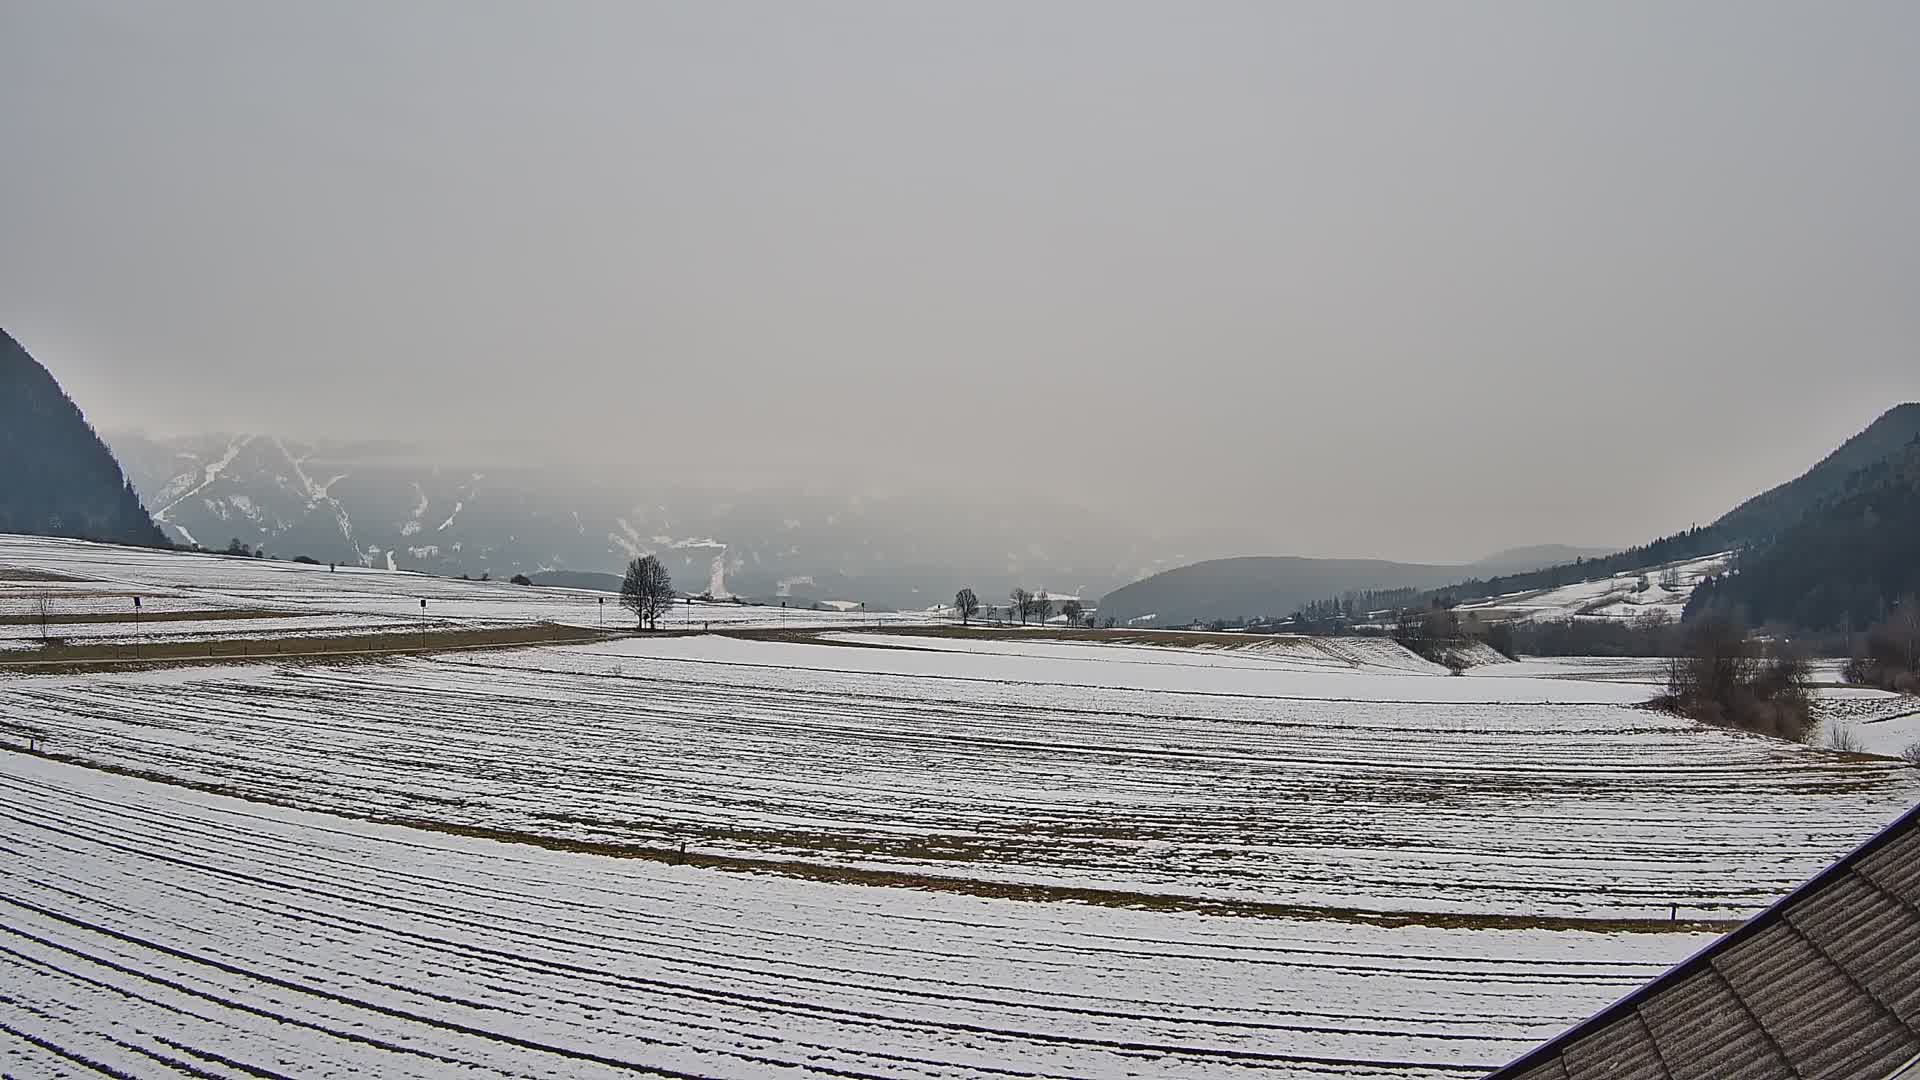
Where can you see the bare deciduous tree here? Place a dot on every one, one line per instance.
(647, 590)
(966, 605)
(1020, 604)
(1072, 609)
(1042, 606)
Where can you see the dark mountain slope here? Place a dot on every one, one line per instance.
(56, 477)
(1776, 509)
(1752, 522)
(1842, 564)
(1233, 588)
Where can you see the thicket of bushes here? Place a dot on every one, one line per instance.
(1725, 677)
(1653, 634)
(1889, 654)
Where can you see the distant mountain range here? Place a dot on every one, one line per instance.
(1853, 501)
(56, 477)
(1276, 585)
(1752, 525)
(384, 504)
(1831, 548)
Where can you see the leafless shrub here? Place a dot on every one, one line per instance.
(1724, 677)
(1911, 755)
(1889, 657)
(1842, 738)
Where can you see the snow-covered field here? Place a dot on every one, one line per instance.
(317, 625)
(146, 929)
(1877, 721)
(1183, 774)
(110, 576)
(1257, 652)
(911, 855)
(1880, 722)
(26, 599)
(1619, 597)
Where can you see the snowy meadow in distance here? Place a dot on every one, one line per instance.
(850, 850)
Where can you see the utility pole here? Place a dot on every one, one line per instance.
(423, 622)
(603, 614)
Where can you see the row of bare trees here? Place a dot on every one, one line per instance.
(1021, 604)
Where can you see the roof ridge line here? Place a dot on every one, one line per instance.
(1704, 957)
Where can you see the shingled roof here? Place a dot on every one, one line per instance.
(1826, 983)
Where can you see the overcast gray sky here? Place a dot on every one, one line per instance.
(1408, 280)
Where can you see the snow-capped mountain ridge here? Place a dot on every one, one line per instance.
(387, 509)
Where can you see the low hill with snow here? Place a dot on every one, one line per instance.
(1661, 590)
(1755, 523)
(1277, 585)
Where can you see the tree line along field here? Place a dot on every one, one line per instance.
(847, 852)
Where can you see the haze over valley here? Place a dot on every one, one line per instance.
(862, 541)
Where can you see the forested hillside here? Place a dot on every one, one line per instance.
(1694, 542)
(56, 477)
(1256, 586)
(1772, 511)
(1843, 564)
(1753, 522)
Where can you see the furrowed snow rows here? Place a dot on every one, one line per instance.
(147, 930)
(896, 760)
(907, 855)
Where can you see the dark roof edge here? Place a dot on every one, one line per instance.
(1547, 1050)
